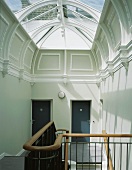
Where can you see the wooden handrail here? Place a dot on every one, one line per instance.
(107, 152)
(97, 135)
(57, 144)
(29, 145)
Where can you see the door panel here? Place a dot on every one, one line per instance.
(81, 119)
(40, 115)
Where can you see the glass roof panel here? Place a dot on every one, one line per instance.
(40, 11)
(73, 12)
(16, 5)
(98, 4)
(75, 20)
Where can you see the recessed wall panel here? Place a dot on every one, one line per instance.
(81, 62)
(3, 30)
(115, 25)
(49, 62)
(15, 48)
(28, 58)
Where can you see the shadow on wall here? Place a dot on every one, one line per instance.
(117, 106)
(85, 92)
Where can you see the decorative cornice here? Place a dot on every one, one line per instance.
(21, 73)
(1, 64)
(127, 11)
(110, 68)
(98, 84)
(122, 59)
(6, 67)
(125, 62)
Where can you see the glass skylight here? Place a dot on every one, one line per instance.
(44, 20)
(16, 5)
(96, 4)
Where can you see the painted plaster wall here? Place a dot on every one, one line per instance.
(117, 107)
(61, 108)
(15, 109)
(117, 111)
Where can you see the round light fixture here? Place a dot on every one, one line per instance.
(61, 94)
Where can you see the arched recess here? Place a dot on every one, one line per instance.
(95, 59)
(8, 40)
(25, 12)
(123, 21)
(97, 49)
(129, 9)
(108, 38)
(23, 51)
(34, 60)
(98, 58)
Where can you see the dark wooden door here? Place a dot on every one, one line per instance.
(40, 114)
(81, 119)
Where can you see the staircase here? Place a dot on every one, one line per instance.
(12, 163)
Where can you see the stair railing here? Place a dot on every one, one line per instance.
(45, 148)
(106, 144)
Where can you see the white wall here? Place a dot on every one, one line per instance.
(117, 107)
(15, 109)
(117, 111)
(62, 107)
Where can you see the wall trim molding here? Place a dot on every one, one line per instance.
(6, 154)
(21, 152)
(1, 64)
(2, 155)
(77, 69)
(49, 69)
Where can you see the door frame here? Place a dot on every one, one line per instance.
(51, 111)
(77, 100)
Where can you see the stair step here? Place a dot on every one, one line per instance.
(12, 163)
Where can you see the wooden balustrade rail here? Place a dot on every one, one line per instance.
(107, 151)
(104, 135)
(29, 145)
(97, 135)
(58, 141)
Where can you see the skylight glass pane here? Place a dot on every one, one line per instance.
(48, 16)
(97, 4)
(73, 12)
(14, 5)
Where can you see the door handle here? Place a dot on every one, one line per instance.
(33, 121)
